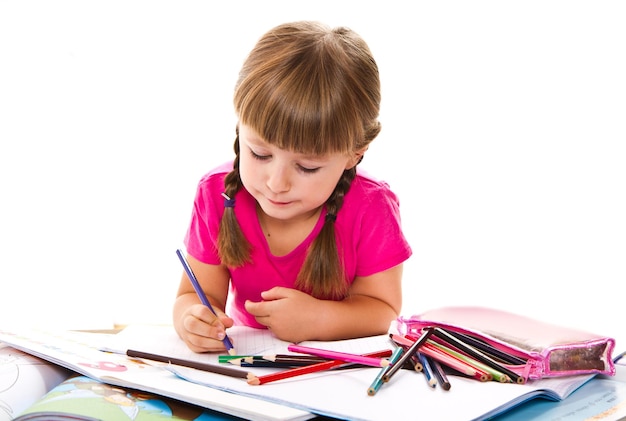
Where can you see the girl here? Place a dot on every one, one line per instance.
(308, 246)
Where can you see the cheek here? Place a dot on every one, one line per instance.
(247, 171)
(321, 189)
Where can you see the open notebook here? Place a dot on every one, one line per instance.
(341, 394)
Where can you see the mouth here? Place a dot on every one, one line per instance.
(277, 203)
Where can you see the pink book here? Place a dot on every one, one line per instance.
(536, 349)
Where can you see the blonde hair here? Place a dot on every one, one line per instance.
(308, 88)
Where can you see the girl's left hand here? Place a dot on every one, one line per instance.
(289, 313)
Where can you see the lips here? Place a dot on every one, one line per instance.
(276, 203)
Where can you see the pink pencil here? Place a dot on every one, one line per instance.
(313, 368)
(335, 355)
(402, 340)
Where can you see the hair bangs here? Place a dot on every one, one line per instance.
(299, 119)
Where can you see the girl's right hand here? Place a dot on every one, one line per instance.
(202, 330)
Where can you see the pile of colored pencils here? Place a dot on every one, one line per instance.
(436, 353)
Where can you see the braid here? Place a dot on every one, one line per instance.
(233, 247)
(322, 274)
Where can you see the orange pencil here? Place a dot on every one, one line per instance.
(313, 368)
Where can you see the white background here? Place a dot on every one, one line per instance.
(503, 134)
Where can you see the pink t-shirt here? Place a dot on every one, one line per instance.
(368, 231)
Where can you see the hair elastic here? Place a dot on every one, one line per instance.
(228, 202)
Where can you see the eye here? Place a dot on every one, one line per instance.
(259, 157)
(307, 170)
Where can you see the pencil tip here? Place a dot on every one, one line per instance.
(253, 380)
(232, 351)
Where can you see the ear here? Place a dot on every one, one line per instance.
(356, 158)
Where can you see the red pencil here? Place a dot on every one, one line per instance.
(313, 368)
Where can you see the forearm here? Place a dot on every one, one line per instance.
(356, 316)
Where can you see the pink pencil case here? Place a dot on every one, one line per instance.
(547, 350)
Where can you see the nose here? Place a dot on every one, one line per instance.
(278, 180)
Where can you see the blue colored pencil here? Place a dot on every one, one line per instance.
(427, 370)
(196, 285)
(440, 374)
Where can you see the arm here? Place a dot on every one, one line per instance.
(196, 325)
(372, 303)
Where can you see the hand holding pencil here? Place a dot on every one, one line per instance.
(196, 286)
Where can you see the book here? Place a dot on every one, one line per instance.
(80, 352)
(24, 379)
(602, 399)
(81, 398)
(332, 393)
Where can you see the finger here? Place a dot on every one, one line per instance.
(205, 315)
(275, 293)
(199, 343)
(257, 309)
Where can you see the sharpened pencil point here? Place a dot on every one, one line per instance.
(253, 380)
(232, 351)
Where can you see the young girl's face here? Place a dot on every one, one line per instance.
(287, 184)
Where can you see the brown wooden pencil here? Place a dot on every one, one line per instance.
(213, 368)
(411, 350)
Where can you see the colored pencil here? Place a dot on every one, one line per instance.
(417, 365)
(454, 363)
(293, 357)
(272, 357)
(487, 348)
(406, 342)
(401, 340)
(336, 355)
(428, 371)
(275, 364)
(411, 350)
(213, 368)
(226, 358)
(379, 379)
(196, 286)
(495, 374)
(473, 352)
(440, 374)
(314, 368)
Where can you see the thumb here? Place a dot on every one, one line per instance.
(275, 293)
